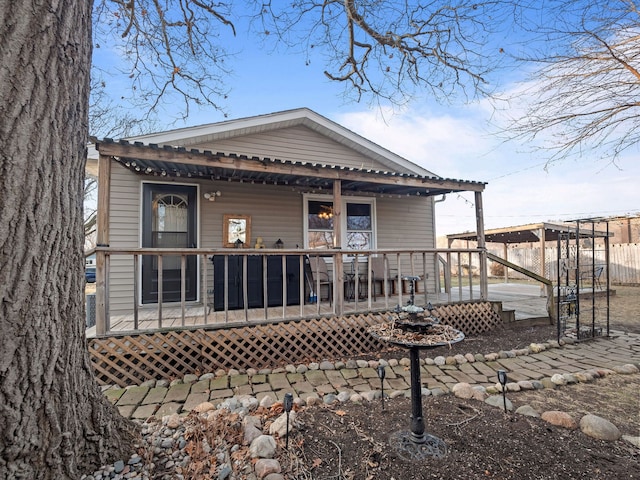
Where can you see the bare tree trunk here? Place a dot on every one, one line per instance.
(54, 421)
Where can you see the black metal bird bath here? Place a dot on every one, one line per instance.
(410, 327)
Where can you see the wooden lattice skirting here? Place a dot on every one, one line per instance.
(134, 358)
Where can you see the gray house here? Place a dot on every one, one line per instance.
(275, 216)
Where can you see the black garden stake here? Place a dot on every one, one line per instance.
(381, 374)
(502, 378)
(288, 405)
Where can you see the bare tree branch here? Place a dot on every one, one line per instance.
(396, 50)
(584, 99)
(175, 49)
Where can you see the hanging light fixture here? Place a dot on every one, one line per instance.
(326, 212)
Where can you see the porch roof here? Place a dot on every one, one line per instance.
(168, 161)
(529, 233)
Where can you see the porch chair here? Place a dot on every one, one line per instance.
(589, 276)
(319, 272)
(378, 275)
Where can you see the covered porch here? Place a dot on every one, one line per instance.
(345, 281)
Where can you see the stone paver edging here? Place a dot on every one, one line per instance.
(541, 365)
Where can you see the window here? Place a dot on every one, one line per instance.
(319, 224)
(359, 226)
(358, 223)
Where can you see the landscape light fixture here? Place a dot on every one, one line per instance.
(381, 375)
(288, 405)
(502, 378)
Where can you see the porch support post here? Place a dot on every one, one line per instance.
(543, 260)
(102, 239)
(484, 289)
(505, 249)
(338, 266)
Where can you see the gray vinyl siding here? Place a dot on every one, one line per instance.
(407, 223)
(124, 231)
(297, 144)
(276, 211)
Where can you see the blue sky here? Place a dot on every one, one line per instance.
(453, 141)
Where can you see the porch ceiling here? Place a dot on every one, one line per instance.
(165, 161)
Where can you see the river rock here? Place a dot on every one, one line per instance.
(263, 447)
(251, 432)
(460, 359)
(279, 426)
(558, 379)
(326, 365)
(498, 401)
(600, 428)
(560, 419)
(525, 385)
(528, 411)
(343, 396)
(204, 407)
(267, 466)
(462, 390)
(632, 440)
(626, 369)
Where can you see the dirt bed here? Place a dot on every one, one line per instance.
(351, 441)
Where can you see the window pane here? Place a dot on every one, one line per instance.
(320, 215)
(358, 241)
(358, 216)
(320, 240)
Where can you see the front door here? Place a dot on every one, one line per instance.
(168, 221)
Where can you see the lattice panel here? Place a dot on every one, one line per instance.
(132, 359)
(470, 318)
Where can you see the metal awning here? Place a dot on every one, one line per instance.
(167, 161)
(530, 233)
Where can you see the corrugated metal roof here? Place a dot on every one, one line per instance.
(139, 158)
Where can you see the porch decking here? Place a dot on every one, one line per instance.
(525, 300)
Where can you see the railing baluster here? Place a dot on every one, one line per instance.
(245, 289)
(160, 293)
(283, 259)
(205, 287)
(136, 272)
(265, 286)
(183, 285)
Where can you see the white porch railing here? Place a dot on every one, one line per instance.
(247, 285)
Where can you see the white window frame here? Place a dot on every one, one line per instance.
(345, 199)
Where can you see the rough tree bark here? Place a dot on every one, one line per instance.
(54, 421)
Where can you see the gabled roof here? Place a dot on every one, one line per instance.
(180, 153)
(189, 136)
